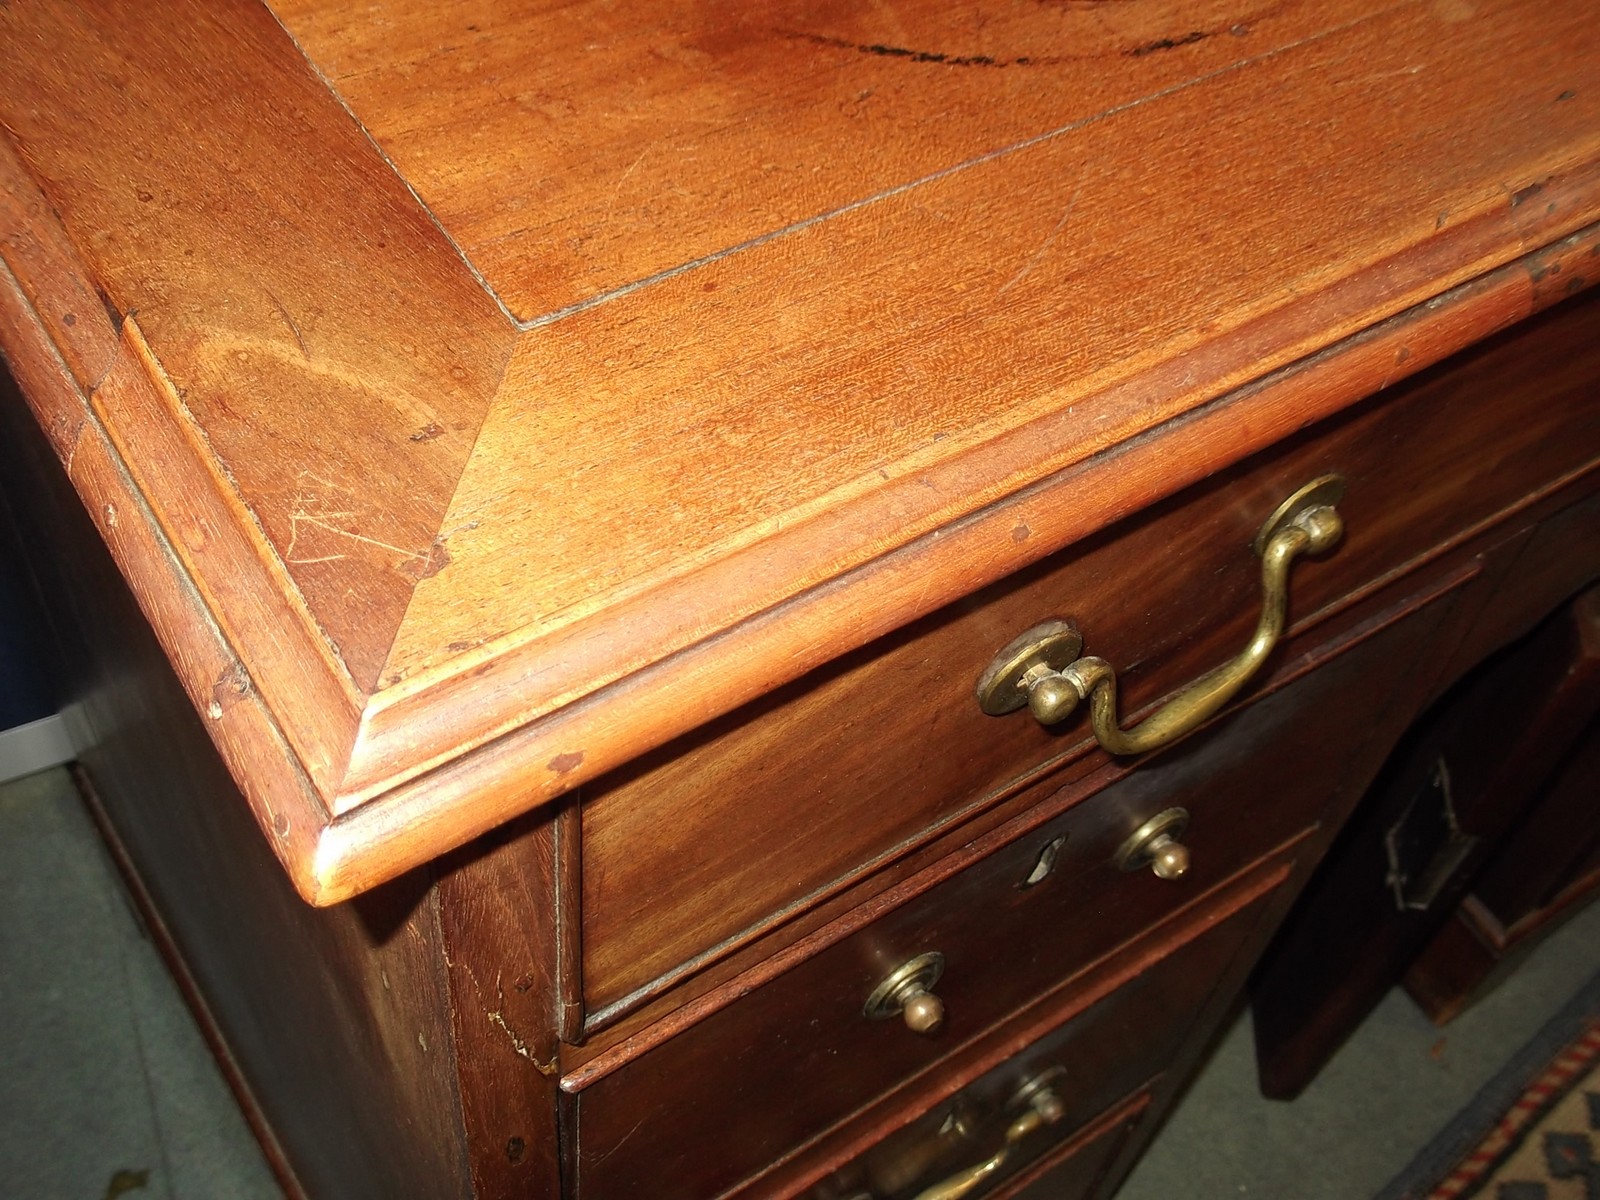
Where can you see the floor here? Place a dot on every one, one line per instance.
(1385, 1095)
(107, 1089)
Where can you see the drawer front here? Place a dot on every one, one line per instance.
(762, 1079)
(1043, 900)
(698, 844)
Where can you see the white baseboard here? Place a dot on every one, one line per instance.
(35, 746)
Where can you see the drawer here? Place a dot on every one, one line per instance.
(642, 1130)
(706, 843)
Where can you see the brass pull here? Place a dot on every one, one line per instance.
(1155, 845)
(1041, 669)
(1041, 1107)
(908, 993)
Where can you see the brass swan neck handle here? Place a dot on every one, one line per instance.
(1042, 670)
(1040, 1106)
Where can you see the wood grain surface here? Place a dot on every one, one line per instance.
(606, 148)
(735, 405)
(327, 340)
(799, 297)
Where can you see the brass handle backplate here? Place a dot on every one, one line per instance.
(1155, 845)
(1042, 670)
(1040, 1107)
(908, 993)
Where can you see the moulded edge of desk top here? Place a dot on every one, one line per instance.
(331, 858)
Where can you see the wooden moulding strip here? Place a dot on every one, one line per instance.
(238, 574)
(281, 797)
(505, 684)
(448, 806)
(80, 321)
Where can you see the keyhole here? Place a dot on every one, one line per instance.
(1045, 863)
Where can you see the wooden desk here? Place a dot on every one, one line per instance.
(565, 472)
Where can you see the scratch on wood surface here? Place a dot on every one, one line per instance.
(1381, 75)
(1167, 43)
(290, 322)
(497, 1018)
(1050, 239)
(1400, 356)
(435, 560)
(622, 179)
(941, 58)
(305, 511)
(618, 1145)
(517, 1043)
(325, 521)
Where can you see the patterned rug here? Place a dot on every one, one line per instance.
(1546, 1147)
(1533, 1133)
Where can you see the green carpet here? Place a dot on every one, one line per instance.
(1388, 1092)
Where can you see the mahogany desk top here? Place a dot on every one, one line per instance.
(477, 397)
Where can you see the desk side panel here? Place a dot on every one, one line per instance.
(337, 1018)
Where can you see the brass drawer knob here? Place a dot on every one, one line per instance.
(1042, 669)
(1155, 845)
(908, 993)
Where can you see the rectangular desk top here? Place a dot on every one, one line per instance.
(476, 397)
